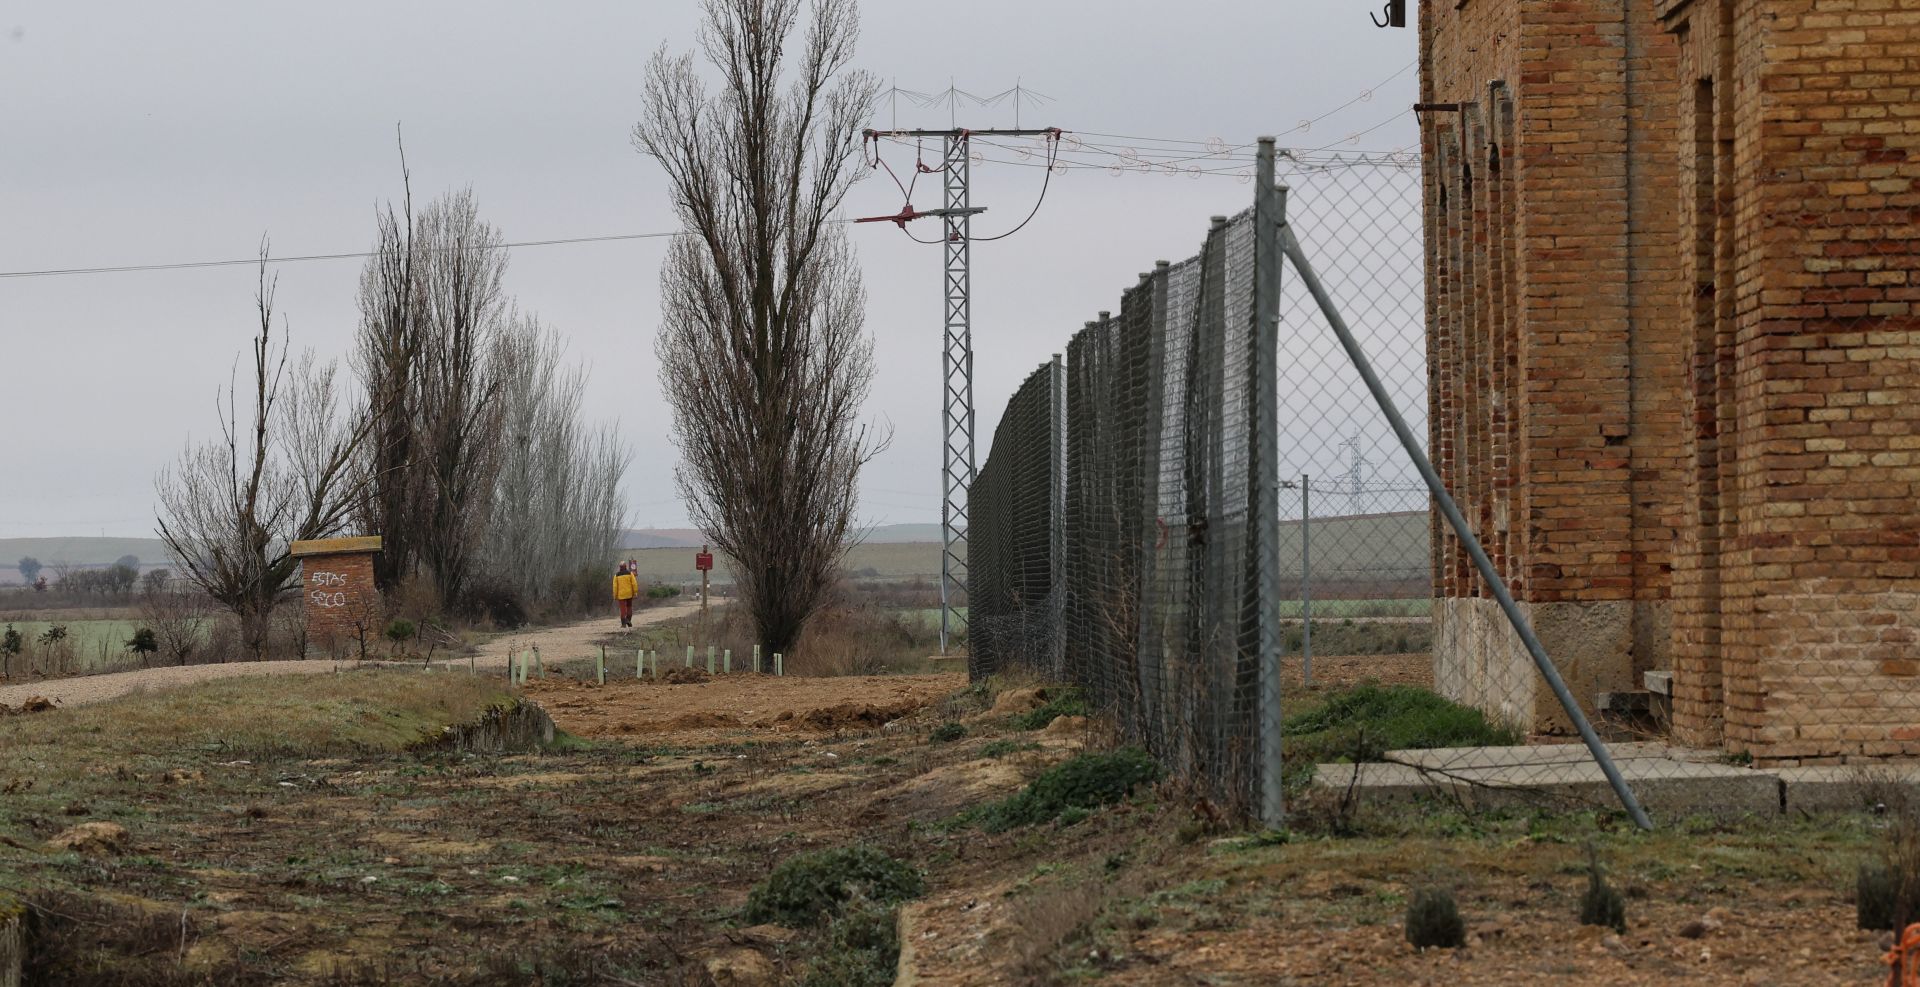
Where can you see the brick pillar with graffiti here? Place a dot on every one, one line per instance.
(337, 593)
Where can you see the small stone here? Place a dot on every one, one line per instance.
(1698, 928)
(740, 968)
(391, 861)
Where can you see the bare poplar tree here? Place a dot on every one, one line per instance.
(387, 350)
(763, 356)
(431, 308)
(557, 509)
(231, 507)
(461, 266)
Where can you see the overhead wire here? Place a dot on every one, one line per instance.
(298, 258)
(1052, 153)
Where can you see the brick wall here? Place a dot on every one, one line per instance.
(341, 604)
(1557, 413)
(1797, 622)
(1671, 246)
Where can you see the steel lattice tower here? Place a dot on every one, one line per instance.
(957, 466)
(956, 349)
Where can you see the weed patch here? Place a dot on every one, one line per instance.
(1069, 790)
(861, 949)
(1005, 746)
(947, 733)
(1366, 721)
(1067, 702)
(810, 888)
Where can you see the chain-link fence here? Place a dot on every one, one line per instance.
(1013, 593)
(1246, 547)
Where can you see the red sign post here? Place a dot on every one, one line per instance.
(703, 561)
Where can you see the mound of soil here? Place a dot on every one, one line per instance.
(850, 716)
(703, 720)
(1065, 726)
(94, 838)
(33, 704)
(686, 675)
(1021, 700)
(946, 790)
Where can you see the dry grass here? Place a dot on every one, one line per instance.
(308, 716)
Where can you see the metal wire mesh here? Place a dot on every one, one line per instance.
(1012, 595)
(1155, 552)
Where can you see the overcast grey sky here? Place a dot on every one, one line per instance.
(135, 133)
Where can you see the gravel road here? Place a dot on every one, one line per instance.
(566, 641)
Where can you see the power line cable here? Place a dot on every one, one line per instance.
(186, 265)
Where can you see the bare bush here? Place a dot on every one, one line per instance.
(557, 510)
(178, 620)
(763, 354)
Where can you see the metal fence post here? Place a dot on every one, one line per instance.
(1306, 581)
(1468, 540)
(1269, 214)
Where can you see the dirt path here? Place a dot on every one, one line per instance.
(555, 643)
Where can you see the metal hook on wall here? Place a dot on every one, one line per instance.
(1396, 14)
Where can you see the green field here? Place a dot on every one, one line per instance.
(96, 644)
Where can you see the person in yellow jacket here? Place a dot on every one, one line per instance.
(625, 588)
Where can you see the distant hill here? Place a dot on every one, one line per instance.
(84, 552)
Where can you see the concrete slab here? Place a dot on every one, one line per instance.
(1666, 788)
(1668, 781)
(1381, 784)
(1846, 788)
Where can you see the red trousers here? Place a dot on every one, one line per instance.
(626, 612)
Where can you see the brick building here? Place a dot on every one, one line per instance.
(338, 597)
(1672, 364)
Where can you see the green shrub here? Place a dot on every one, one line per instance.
(948, 732)
(1088, 781)
(861, 949)
(11, 644)
(810, 888)
(1433, 920)
(1064, 702)
(662, 591)
(1602, 904)
(1364, 722)
(1007, 745)
(399, 630)
(1876, 897)
(143, 642)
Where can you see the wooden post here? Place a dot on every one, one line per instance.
(777, 669)
(704, 550)
(709, 659)
(727, 667)
(539, 667)
(756, 659)
(600, 666)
